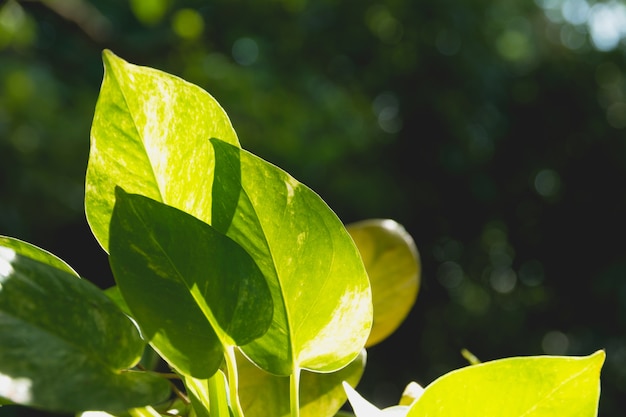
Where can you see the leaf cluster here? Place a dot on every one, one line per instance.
(237, 277)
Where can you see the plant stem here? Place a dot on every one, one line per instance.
(294, 397)
(218, 398)
(146, 411)
(233, 384)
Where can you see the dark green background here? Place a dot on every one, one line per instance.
(493, 131)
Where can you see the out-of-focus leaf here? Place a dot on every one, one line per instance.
(65, 345)
(191, 289)
(540, 386)
(150, 136)
(321, 293)
(393, 265)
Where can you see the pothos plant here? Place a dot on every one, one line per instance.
(238, 278)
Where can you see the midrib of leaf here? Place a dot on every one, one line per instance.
(554, 390)
(132, 115)
(200, 302)
(278, 278)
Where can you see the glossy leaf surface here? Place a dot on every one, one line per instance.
(191, 289)
(321, 394)
(393, 265)
(65, 345)
(150, 136)
(541, 386)
(321, 293)
(34, 252)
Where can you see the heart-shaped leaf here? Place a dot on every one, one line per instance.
(321, 293)
(150, 136)
(540, 386)
(322, 394)
(65, 345)
(393, 265)
(192, 290)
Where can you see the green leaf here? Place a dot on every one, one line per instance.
(36, 253)
(65, 345)
(192, 290)
(322, 395)
(321, 292)
(150, 136)
(393, 265)
(540, 386)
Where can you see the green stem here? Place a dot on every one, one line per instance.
(218, 398)
(233, 384)
(294, 397)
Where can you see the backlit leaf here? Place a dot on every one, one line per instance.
(393, 265)
(540, 386)
(321, 394)
(150, 135)
(321, 293)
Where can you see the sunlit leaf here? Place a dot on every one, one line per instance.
(393, 264)
(150, 136)
(65, 345)
(191, 289)
(36, 253)
(321, 293)
(321, 394)
(540, 386)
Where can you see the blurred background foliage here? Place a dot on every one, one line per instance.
(492, 130)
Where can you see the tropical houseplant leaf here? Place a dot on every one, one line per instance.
(215, 294)
(65, 345)
(321, 293)
(150, 136)
(393, 265)
(539, 386)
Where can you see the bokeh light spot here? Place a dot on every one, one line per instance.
(188, 24)
(575, 11)
(383, 24)
(450, 274)
(514, 45)
(555, 343)
(16, 27)
(503, 280)
(607, 25)
(547, 183)
(387, 109)
(19, 87)
(149, 12)
(245, 51)
(475, 299)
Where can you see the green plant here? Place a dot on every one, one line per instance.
(238, 277)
